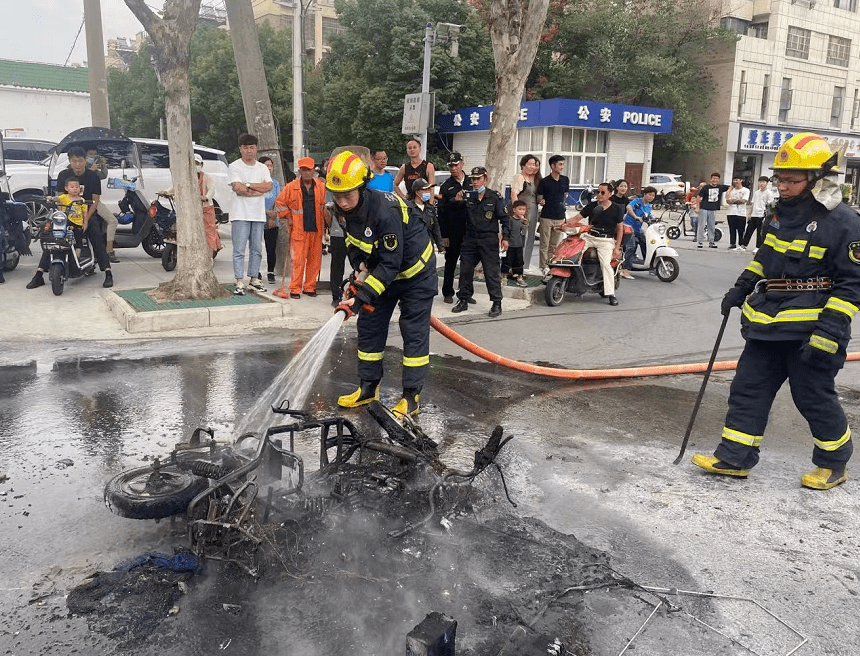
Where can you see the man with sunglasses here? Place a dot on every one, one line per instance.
(798, 297)
(607, 229)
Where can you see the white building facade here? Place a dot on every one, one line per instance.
(794, 68)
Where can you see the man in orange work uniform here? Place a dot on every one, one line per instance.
(304, 199)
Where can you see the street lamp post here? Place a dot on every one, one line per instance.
(444, 33)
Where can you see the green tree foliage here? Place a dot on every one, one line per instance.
(136, 97)
(636, 52)
(356, 94)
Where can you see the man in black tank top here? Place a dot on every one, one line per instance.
(413, 169)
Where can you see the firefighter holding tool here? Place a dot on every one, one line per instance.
(392, 256)
(797, 299)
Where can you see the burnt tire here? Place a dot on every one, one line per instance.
(673, 232)
(667, 269)
(153, 244)
(391, 425)
(168, 257)
(129, 495)
(553, 293)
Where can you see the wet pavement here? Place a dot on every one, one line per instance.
(589, 468)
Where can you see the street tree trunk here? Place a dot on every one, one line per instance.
(515, 29)
(170, 36)
(252, 80)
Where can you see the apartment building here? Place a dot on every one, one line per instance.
(795, 67)
(319, 22)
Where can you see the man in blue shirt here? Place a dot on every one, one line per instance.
(637, 211)
(382, 180)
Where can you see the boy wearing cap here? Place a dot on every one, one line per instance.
(487, 216)
(304, 200)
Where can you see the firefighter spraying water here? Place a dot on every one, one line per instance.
(393, 263)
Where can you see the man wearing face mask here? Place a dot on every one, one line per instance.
(487, 218)
(420, 195)
(798, 297)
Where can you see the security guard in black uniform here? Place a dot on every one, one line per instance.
(487, 215)
(392, 256)
(798, 297)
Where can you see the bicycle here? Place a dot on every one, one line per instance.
(675, 231)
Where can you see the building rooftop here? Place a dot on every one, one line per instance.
(44, 76)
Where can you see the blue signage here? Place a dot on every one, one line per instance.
(564, 112)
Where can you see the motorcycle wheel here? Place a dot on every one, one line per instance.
(153, 244)
(168, 257)
(671, 197)
(56, 276)
(667, 269)
(718, 234)
(554, 291)
(673, 232)
(136, 495)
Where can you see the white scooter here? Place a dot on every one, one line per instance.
(660, 258)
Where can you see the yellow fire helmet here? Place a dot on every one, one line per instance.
(805, 152)
(346, 171)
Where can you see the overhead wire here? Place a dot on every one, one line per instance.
(75, 42)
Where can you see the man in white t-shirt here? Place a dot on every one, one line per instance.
(737, 198)
(250, 181)
(761, 199)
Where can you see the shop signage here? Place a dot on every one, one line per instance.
(766, 139)
(564, 112)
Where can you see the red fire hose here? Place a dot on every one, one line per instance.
(585, 374)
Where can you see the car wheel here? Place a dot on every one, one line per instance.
(37, 214)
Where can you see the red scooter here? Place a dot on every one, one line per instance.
(576, 269)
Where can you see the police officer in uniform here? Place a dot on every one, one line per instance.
(392, 256)
(453, 219)
(798, 297)
(486, 214)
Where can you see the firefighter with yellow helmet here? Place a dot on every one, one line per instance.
(392, 256)
(797, 299)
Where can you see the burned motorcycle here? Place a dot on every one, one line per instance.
(218, 487)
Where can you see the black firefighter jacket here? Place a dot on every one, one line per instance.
(805, 241)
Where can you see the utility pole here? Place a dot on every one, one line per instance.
(96, 64)
(252, 80)
(298, 104)
(429, 39)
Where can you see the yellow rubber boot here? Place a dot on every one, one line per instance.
(716, 466)
(368, 391)
(408, 406)
(823, 479)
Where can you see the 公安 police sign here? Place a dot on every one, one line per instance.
(560, 111)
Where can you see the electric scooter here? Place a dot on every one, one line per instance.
(58, 239)
(660, 258)
(575, 269)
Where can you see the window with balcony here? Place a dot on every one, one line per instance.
(838, 50)
(797, 44)
(758, 30)
(732, 24)
(785, 98)
(850, 5)
(330, 27)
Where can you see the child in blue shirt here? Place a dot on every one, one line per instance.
(637, 210)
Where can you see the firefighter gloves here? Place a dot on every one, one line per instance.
(735, 297)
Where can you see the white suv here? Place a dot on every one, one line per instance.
(28, 181)
(669, 183)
